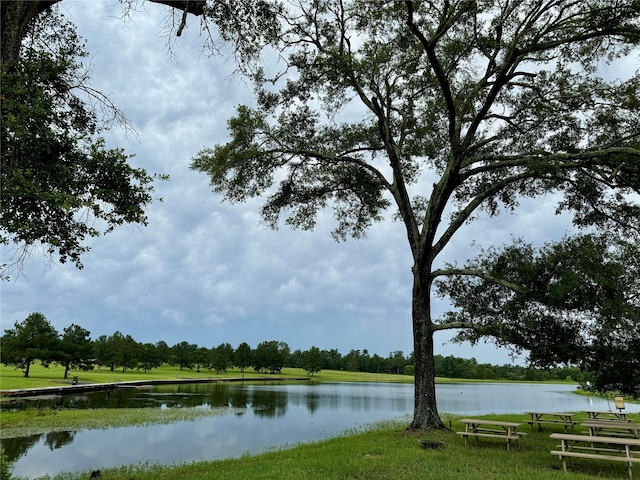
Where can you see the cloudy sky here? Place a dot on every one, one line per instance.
(208, 272)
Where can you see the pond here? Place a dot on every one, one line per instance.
(260, 417)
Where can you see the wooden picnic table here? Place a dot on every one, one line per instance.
(606, 415)
(597, 447)
(553, 418)
(475, 427)
(612, 428)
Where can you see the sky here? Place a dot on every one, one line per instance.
(206, 271)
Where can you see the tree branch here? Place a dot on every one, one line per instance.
(448, 272)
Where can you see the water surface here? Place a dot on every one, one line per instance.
(270, 416)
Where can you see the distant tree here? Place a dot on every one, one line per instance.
(148, 357)
(203, 357)
(164, 351)
(270, 356)
(76, 348)
(32, 339)
(312, 361)
(126, 351)
(243, 356)
(295, 359)
(438, 112)
(378, 363)
(103, 353)
(397, 361)
(182, 354)
(333, 360)
(222, 357)
(352, 360)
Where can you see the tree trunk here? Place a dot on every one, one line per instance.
(16, 16)
(66, 370)
(425, 414)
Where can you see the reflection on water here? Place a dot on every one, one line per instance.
(275, 415)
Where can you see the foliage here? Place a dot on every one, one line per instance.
(243, 356)
(149, 357)
(6, 467)
(222, 357)
(30, 340)
(270, 356)
(76, 348)
(182, 354)
(57, 173)
(438, 110)
(571, 302)
(312, 361)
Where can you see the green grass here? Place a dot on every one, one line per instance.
(39, 376)
(388, 452)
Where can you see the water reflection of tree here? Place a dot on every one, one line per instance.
(55, 440)
(15, 448)
(313, 400)
(269, 403)
(239, 398)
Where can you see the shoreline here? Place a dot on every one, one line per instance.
(98, 387)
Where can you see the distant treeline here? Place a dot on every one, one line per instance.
(35, 338)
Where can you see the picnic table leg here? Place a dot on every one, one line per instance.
(563, 458)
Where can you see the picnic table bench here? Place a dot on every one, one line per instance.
(475, 427)
(553, 418)
(606, 415)
(599, 448)
(612, 428)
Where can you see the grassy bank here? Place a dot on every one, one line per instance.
(39, 376)
(387, 452)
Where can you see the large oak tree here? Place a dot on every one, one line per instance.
(438, 111)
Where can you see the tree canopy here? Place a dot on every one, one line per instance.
(576, 301)
(33, 339)
(439, 111)
(60, 183)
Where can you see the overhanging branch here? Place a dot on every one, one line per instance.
(448, 272)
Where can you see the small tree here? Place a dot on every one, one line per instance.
(148, 357)
(76, 348)
(203, 357)
(312, 360)
(243, 356)
(270, 356)
(103, 352)
(126, 351)
(33, 339)
(182, 354)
